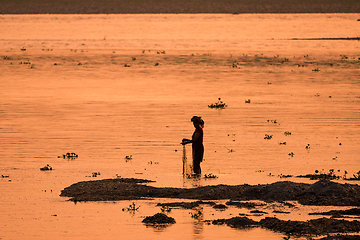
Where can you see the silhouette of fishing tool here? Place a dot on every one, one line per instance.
(187, 167)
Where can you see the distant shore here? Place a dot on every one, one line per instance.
(174, 6)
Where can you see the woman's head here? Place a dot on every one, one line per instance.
(197, 121)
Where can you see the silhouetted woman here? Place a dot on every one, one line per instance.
(197, 143)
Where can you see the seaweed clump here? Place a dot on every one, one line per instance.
(219, 104)
(320, 175)
(46, 168)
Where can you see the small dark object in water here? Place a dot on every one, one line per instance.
(46, 168)
(285, 176)
(220, 104)
(210, 175)
(159, 218)
(69, 156)
(267, 136)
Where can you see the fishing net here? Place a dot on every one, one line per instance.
(187, 166)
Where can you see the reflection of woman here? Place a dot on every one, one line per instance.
(197, 143)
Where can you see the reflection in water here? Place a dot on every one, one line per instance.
(198, 226)
(192, 181)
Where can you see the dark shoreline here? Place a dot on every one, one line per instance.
(174, 6)
(321, 193)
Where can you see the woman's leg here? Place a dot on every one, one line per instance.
(197, 159)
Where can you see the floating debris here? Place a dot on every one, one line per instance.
(210, 175)
(28, 62)
(330, 175)
(69, 156)
(235, 65)
(196, 215)
(320, 175)
(285, 176)
(46, 168)
(272, 121)
(267, 136)
(131, 208)
(151, 162)
(220, 104)
(165, 209)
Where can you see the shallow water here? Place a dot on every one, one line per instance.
(72, 93)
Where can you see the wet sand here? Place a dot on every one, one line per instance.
(173, 6)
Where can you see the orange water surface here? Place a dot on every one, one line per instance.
(110, 86)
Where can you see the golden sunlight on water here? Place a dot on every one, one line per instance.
(110, 86)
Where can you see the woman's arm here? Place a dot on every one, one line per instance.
(194, 139)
